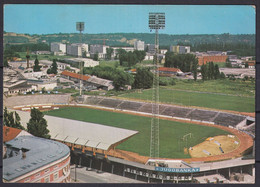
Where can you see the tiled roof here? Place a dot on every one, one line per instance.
(10, 133)
(75, 75)
(169, 69)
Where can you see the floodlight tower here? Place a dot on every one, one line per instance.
(80, 28)
(156, 22)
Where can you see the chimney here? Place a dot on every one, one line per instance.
(23, 154)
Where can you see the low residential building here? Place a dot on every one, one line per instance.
(89, 80)
(58, 47)
(47, 64)
(251, 64)
(101, 83)
(29, 159)
(41, 52)
(149, 56)
(163, 51)
(167, 72)
(74, 76)
(17, 87)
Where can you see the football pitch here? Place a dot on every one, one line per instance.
(171, 132)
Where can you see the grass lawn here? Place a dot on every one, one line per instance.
(237, 87)
(43, 57)
(171, 145)
(208, 100)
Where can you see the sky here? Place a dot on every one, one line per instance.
(179, 19)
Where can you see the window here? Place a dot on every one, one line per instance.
(37, 175)
(56, 176)
(55, 167)
(27, 180)
(47, 179)
(46, 171)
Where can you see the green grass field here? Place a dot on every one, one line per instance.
(197, 94)
(237, 87)
(171, 145)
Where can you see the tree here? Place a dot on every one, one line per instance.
(143, 78)
(95, 56)
(222, 75)
(37, 125)
(195, 69)
(216, 72)
(204, 72)
(140, 55)
(12, 119)
(210, 70)
(54, 68)
(121, 79)
(109, 53)
(36, 66)
(246, 65)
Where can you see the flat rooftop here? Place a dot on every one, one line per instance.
(40, 153)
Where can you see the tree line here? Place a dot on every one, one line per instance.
(185, 62)
(142, 79)
(29, 46)
(130, 58)
(210, 71)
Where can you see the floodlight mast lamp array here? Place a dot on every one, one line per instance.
(156, 22)
(80, 28)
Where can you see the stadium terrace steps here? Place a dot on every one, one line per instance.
(176, 111)
(226, 119)
(203, 115)
(220, 118)
(110, 103)
(129, 105)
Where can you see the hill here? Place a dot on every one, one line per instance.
(203, 42)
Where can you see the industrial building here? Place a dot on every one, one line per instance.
(58, 47)
(86, 61)
(209, 58)
(180, 49)
(29, 159)
(139, 45)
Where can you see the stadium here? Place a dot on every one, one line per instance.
(113, 135)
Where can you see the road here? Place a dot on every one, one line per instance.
(86, 176)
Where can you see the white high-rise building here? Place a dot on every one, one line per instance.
(139, 45)
(58, 47)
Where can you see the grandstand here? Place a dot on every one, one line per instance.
(226, 119)
(220, 118)
(176, 111)
(203, 115)
(129, 105)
